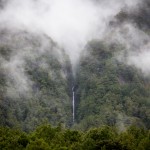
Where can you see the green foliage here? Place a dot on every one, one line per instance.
(48, 94)
(12, 139)
(38, 144)
(107, 91)
(46, 137)
(110, 92)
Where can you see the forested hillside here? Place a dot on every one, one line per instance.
(109, 91)
(39, 89)
(81, 66)
(35, 81)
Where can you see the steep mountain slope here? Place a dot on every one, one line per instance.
(35, 81)
(139, 16)
(108, 91)
(36, 76)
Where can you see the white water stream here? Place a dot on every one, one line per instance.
(73, 105)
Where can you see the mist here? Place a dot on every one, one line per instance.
(42, 43)
(69, 23)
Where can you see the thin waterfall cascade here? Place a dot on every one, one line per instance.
(73, 105)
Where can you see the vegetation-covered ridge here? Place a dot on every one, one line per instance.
(109, 91)
(35, 81)
(46, 137)
(36, 86)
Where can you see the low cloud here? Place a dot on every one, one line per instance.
(70, 23)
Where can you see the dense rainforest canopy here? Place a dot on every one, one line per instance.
(46, 137)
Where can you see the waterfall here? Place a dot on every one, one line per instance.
(73, 105)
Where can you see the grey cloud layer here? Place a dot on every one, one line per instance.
(72, 23)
